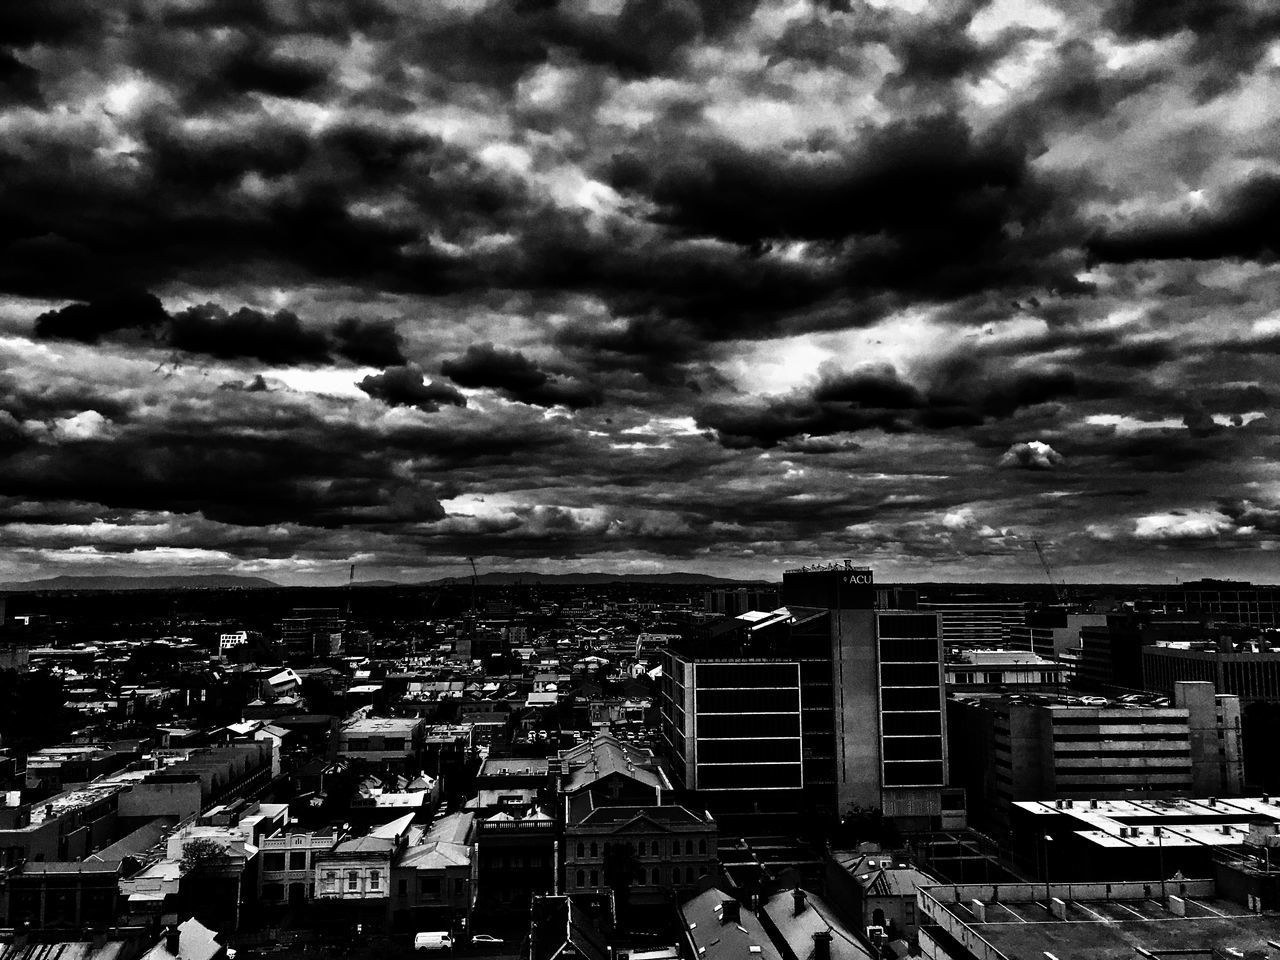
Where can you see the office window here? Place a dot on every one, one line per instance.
(901, 724)
(909, 674)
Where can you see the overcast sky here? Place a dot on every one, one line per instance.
(638, 285)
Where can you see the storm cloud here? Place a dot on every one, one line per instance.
(615, 286)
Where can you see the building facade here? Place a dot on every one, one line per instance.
(816, 707)
(1007, 749)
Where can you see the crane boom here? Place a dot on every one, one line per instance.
(1048, 571)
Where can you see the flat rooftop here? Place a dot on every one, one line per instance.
(383, 725)
(1116, 929)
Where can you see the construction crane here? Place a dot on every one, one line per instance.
(472, 561)
(1048, 571)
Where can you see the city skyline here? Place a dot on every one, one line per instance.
(639, 285)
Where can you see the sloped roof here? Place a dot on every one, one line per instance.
(604, 755)
(436, 855)
(817, 917)
(195, 942)
(389, 831)
(713, 940)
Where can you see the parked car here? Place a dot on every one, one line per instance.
(433, 941)
(485, 938)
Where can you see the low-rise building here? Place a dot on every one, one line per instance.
(431, 884)
(287, 869)
(1104, 919)
(393, 742)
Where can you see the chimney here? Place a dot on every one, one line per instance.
(822, 945)
(171, 937)
(730, 912)
(799, 897)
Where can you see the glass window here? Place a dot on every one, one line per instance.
(595, 850)
(912, 723)
(909, 674)
(375, 879)
(896, 626)
(582, 849)
(298, 860)
(595, 878)
(353, 880)
(582, 878)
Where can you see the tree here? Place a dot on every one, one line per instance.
(203, 856)
(620, 870)
(867, 825)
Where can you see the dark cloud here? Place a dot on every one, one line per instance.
(277, 338)
(934, 208)
(405, 386)
(90, 322)
(374, 343)
(19, 83)
(517, 377)
(1245, 225)
(211, 330)
(963, 392)
(1229, 36)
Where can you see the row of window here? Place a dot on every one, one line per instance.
(643, 849)
(749, 751)
(360, 745)
(275, 862)
(353, 879)
(655, 876)
(913, 748)
(748, 701)
(719, 676)
(913, 773)
(921, 698)
(910, 674)
(745, 776)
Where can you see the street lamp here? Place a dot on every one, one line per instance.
(1160, 854)
(1047, 898)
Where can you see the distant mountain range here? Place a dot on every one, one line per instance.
(219, 581)
(226, 581)
(590, 579)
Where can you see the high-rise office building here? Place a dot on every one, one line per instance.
(820, 705)
(976, 622)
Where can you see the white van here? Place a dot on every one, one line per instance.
(433, 941)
